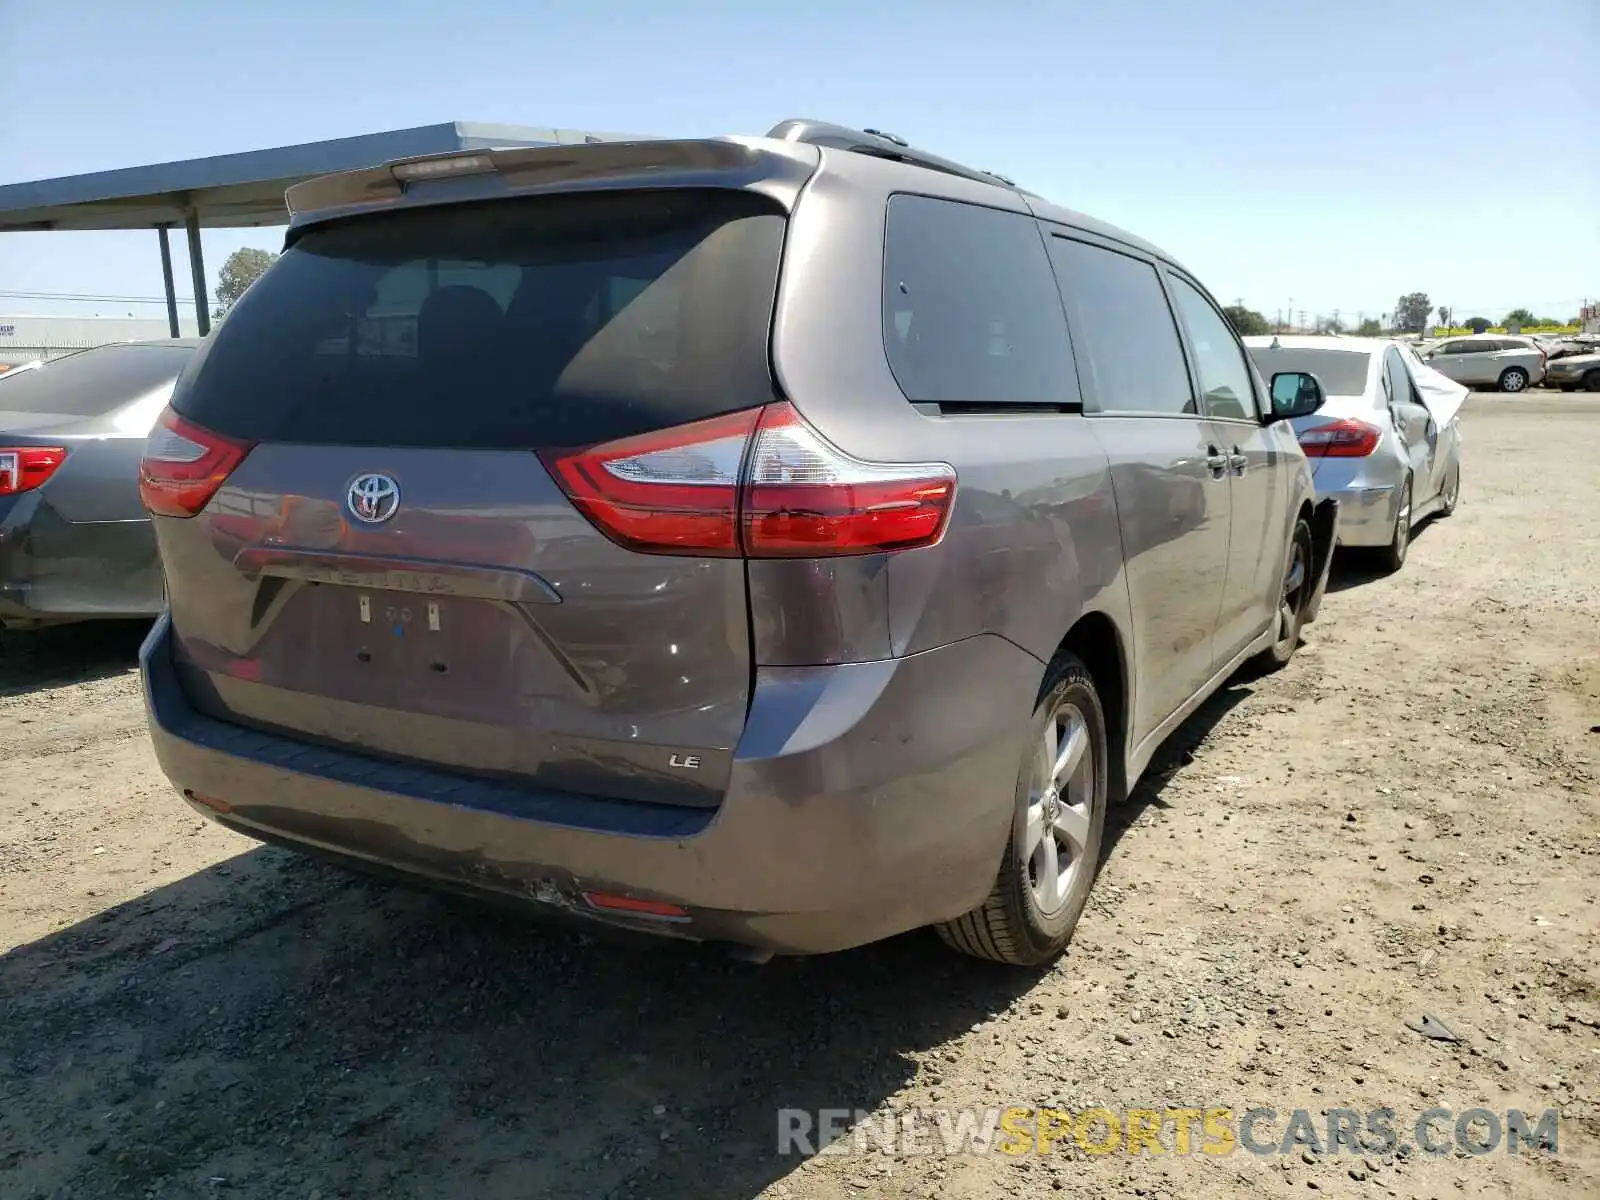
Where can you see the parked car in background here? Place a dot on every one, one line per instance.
(1572, 372)
(1387, 442)
(75, 540)
(647, 573)
(1569, 347)
(1483, 361)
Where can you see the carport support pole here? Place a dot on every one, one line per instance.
(166, 278)
(197, 269)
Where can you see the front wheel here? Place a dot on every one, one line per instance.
(1393, 556)
(1298, 582)
(1513, 379)
(1591, 381)
(1054, 850)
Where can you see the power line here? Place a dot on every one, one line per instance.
(85, 298)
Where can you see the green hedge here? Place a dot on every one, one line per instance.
(1464, 330)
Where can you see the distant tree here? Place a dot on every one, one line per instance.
(1369, 328)
(1411, 312)
(1332, 325)
(242, 268)
(1444, 315)
(1518, 316)
(1477, 324)
(1245, 321)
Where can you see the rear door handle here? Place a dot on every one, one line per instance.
(1238, 461)
(1217, 461)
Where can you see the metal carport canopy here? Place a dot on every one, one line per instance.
(231, 191)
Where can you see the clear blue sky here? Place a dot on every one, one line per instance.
(1336, 154)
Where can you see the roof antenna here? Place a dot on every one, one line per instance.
(1274, 345)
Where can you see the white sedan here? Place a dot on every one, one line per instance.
(1387, 442)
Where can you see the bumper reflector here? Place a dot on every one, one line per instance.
(634, 907)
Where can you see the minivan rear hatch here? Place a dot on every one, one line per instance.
(392, 569)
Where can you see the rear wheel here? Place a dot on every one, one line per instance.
(1513, 379)
(1394, 555)
(1054, 850)
(1292, 598)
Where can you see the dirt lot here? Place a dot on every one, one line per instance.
(1405, 821)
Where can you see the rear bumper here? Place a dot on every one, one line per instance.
(865, 800)
(54, 570)
(1366, 514)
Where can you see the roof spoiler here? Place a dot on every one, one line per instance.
(526, 168)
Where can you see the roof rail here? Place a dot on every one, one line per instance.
(878, 144)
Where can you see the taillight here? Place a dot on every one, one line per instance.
(805, 499)
(184, 465)
(1347, 438)
(23, 468)
(761, 483)
(675, 492)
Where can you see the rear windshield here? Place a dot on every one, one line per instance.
(1342, 372)
(91, 382)
(554, 321)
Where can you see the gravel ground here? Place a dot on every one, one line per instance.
(1402, 822)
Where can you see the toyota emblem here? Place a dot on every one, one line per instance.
(373, 498)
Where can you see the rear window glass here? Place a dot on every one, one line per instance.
(970, 311)
(554, 321)
(1342, 372)
(91, 382)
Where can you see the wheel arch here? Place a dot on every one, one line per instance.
(1096, 640)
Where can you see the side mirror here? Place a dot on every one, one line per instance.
(1295, 394)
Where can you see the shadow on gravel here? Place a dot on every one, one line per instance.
(272, 1026)
(63, 655)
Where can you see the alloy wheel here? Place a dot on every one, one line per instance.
(1056, 834)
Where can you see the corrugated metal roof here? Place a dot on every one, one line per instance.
(245, 189)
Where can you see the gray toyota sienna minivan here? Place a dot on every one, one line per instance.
(777, 541)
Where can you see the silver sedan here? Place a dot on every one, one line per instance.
(1387, 443)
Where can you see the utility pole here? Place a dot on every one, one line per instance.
(1302, 318)
(1337, 328)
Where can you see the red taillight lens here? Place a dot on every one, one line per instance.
(804, 499)
(1348, 438)
(674, 492)
(23, 468)
(184, 465)
(761, 483)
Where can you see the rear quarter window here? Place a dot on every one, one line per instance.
(522, 323)
(971, 314)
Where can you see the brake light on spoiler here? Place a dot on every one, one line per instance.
(760, 483)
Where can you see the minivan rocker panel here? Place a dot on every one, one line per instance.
(762, 541)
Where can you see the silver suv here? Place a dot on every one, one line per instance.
(1494, 361)
(783, 541)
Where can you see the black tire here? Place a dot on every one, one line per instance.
(1294, 595)
(1393, 556)
(1451, 496)
(1591, 381)
(1009, 926)
(1513, 379)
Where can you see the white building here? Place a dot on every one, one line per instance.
(24, 338)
